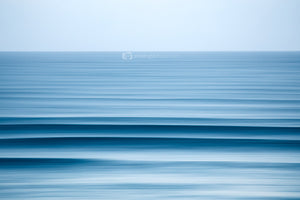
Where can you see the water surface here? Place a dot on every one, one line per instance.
(149, 125)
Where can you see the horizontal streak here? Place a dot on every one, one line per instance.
(139, 143)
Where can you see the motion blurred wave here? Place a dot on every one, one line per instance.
(150, 125)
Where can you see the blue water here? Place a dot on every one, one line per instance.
(150, 125)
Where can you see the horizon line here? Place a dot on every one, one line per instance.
(117, 51)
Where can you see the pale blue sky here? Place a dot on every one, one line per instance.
(149, 25)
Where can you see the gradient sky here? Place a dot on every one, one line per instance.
(149, 25)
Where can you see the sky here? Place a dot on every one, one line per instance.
(149, 25)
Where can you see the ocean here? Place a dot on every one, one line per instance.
(150, 125)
